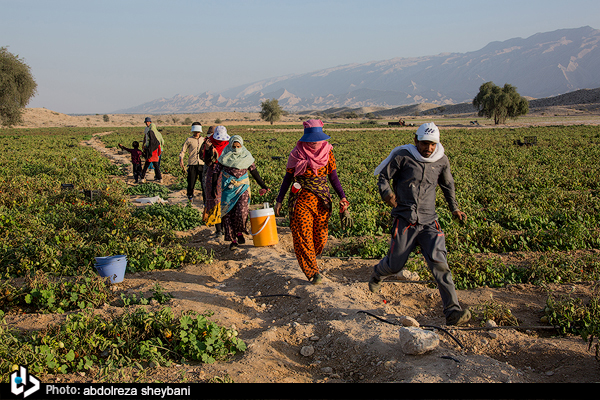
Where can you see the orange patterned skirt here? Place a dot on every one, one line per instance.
(309, 225)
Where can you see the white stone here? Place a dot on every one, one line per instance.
(414, 340)
(406, 275)
(307, 351)
(405, 320)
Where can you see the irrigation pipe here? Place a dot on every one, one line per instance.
(346, 258)
(399, 281)
(489, 328)
(483, 328)
(424, 326)
(276, 295)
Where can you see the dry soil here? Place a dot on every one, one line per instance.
(263, 293)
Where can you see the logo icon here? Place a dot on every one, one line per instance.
(18, 383)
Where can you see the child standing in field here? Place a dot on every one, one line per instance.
(136, 159)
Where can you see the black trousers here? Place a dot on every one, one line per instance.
(432, 240)
(157, 174)
(194, 174)
(137, 171)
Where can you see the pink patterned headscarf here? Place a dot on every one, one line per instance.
(313, 155)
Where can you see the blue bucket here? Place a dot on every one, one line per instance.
(112, 267)
(109, 259)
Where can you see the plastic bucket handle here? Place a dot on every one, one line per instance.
(262, 227)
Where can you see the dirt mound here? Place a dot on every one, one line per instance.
(41, 117)
(298, 332)
(341, 111)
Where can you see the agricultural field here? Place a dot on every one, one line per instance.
(533, 222)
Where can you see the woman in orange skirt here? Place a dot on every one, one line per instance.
(311, 166)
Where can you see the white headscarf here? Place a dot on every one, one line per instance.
(221, 133)
(437, 154)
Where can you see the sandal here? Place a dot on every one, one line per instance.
(317, 279)
(241, 239)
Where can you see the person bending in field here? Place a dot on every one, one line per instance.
(136, 159)
(416, 170)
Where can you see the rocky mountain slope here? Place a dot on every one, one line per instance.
(542, 65)
(588, 99)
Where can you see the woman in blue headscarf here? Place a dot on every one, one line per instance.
(235, 163)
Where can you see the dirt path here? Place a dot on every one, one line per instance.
(245, 288)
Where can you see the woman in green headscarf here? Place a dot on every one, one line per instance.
(148, 131)
(235, 163)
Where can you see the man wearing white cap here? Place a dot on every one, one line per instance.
(195, 163)
(416, 170)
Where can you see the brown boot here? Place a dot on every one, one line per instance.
(374, 284)
(458, 317)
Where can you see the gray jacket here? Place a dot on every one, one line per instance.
(414, 184)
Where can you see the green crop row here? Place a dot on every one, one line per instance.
(137, 337)
(542, 198)
(60, 208)
(41, 293)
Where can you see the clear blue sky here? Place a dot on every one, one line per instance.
(100, 56)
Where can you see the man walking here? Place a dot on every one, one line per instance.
(416, 170)
(195, 163)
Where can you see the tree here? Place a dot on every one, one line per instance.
(17, 86)
(500, 103)
(270, 110)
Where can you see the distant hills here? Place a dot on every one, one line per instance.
(540, 66)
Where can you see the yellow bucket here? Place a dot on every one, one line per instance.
(264, 229)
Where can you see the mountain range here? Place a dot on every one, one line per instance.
(543, 65)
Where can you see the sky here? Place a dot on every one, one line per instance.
(96, 57)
